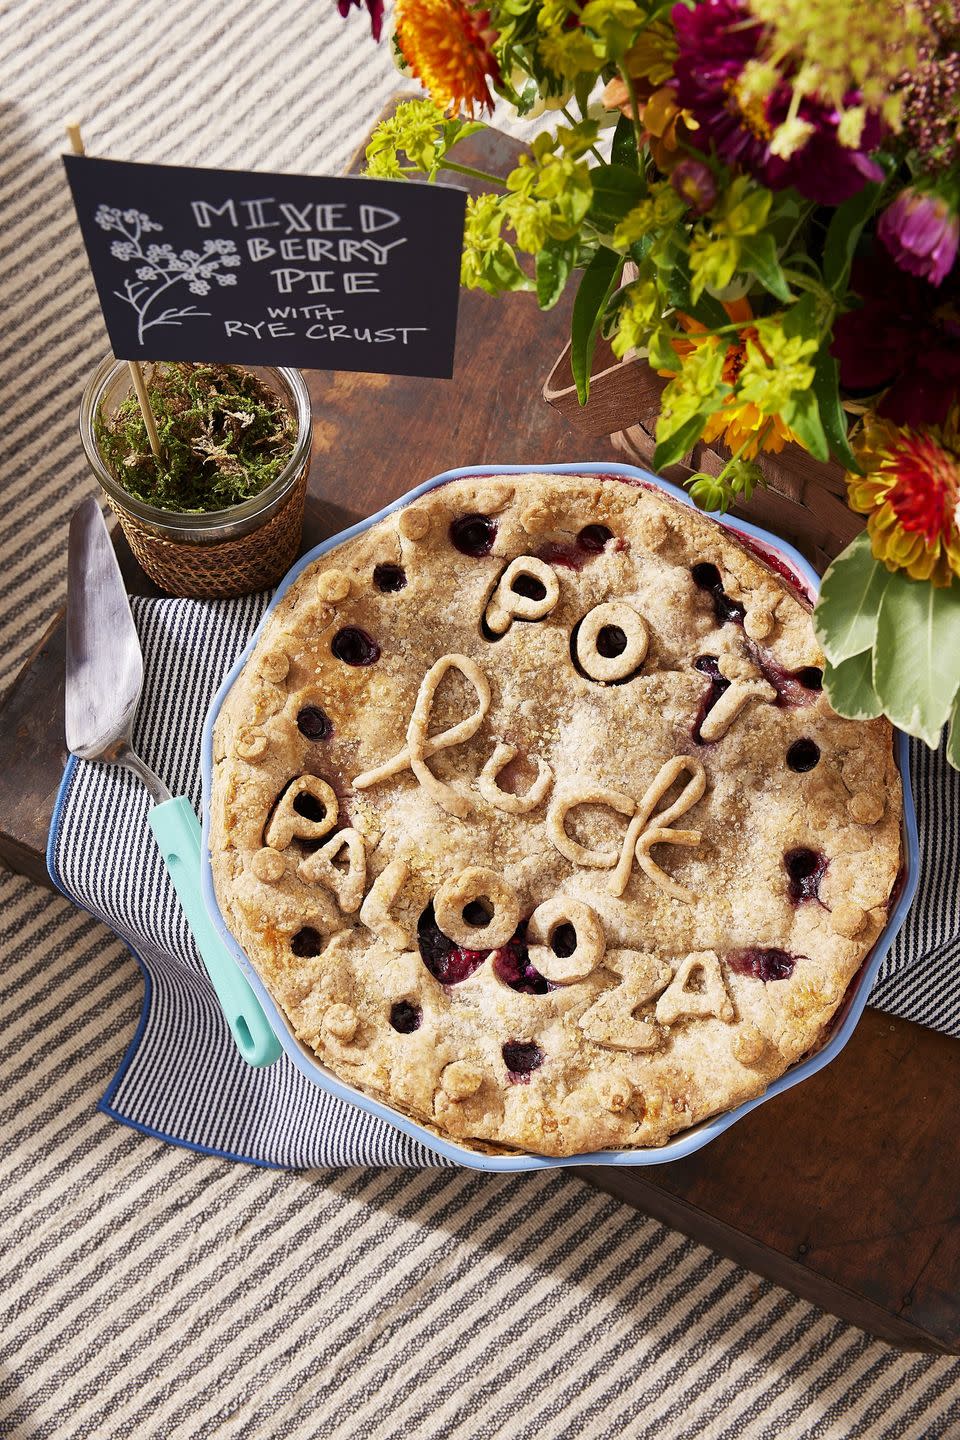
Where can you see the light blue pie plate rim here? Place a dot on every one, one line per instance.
(688, 1140)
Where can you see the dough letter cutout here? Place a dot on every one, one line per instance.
(349, 885)
(507, 604)
(610, 1021)
(502, 799)
(375, 910)
(678, 1002)
(421, 745)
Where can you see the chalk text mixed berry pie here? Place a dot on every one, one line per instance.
(530, 811)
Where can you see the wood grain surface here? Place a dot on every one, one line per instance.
(844, 1189)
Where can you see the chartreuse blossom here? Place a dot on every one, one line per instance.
(488, 262)
(549, 194)
(848, 55)
(716, 252)
(415, 138)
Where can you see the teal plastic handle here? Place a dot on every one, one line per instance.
(177, 833)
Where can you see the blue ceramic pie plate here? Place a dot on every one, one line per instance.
(781, 556)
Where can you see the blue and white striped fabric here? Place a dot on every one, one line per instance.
(181, 1078)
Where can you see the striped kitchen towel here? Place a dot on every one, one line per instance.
(181, 1078)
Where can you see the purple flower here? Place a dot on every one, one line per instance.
(694, 182)
(375, 7)
(921, 231)
(716, 39)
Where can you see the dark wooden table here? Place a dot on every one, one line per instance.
(845, 1189)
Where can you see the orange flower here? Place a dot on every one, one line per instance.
(449, 47)
(737, 422)
(910, 495)
(666, 126)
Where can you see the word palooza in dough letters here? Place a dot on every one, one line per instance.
(231, 266)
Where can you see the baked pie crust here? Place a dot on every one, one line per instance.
(530, 812)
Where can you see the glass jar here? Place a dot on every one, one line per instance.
(215, 553)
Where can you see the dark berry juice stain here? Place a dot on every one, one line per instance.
(805, 869)
(593, 539)
(803, 755)
(307, 942)
(707, 577)
(765, 965)
(473, 534)
(521, 1058)
(314, 723)
(355, 647)
(389, 578)
(447, 962)
(611, 642)
(511, 965)
(309, 807)
(405, 1018)
(529, 587)
(709, 665)
(794, 688)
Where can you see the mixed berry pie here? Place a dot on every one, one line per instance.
(530, 811)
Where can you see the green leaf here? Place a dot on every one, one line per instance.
(826, 387)
(596, 287)
(673, 270)
(553, 265)
(845, 619)
(616, 190)
(843, 233)
(801, 320)
(916, 670)
(675, 446)
(953, 738)
(758, 255)
(849, 687)
(803, 417)
(623, 150)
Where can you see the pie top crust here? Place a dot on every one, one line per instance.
(530, 812)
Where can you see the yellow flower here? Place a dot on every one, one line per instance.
(737, 424)
(910, 494)
(449, 47)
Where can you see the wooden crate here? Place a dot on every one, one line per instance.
(803, 501)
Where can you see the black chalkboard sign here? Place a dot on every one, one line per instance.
(236, 266)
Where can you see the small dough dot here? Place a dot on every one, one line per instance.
(275, 666)
(461, 1080)
(749, 1044)
(341, 1022)
(333, 585)
(866, 808)
(847, 919)
(758, 623)
(535, 518)
(251, 744)
(268, 865)
(613, 1092)
(413, 524)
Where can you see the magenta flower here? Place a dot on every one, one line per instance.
(921, 232)
(375, 7)
(716, 39)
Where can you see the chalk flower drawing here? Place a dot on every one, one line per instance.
(160, 267)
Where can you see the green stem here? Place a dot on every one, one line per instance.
(573, 123)
(446, 164)
(627, 79)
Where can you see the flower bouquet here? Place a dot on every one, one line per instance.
(760, 197)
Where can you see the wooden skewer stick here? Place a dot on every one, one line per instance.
(136, 373)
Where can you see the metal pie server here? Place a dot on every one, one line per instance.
(104, 679)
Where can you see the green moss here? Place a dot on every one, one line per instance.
(224, 436)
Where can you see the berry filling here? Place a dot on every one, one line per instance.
(405, 1017)
(593, 538)
(806, 868)
(803, 755)
(611, 642)
(473, 534)
(511, 965)
(314, 723)
(355, 647)
(765, 965)
(447, 962)
(707, 577)
(309, 807)
(529, 587)
(521, 1057)
(388, 578)
(794, 687)
(709, 665)
(563, 941)
(307, 942)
